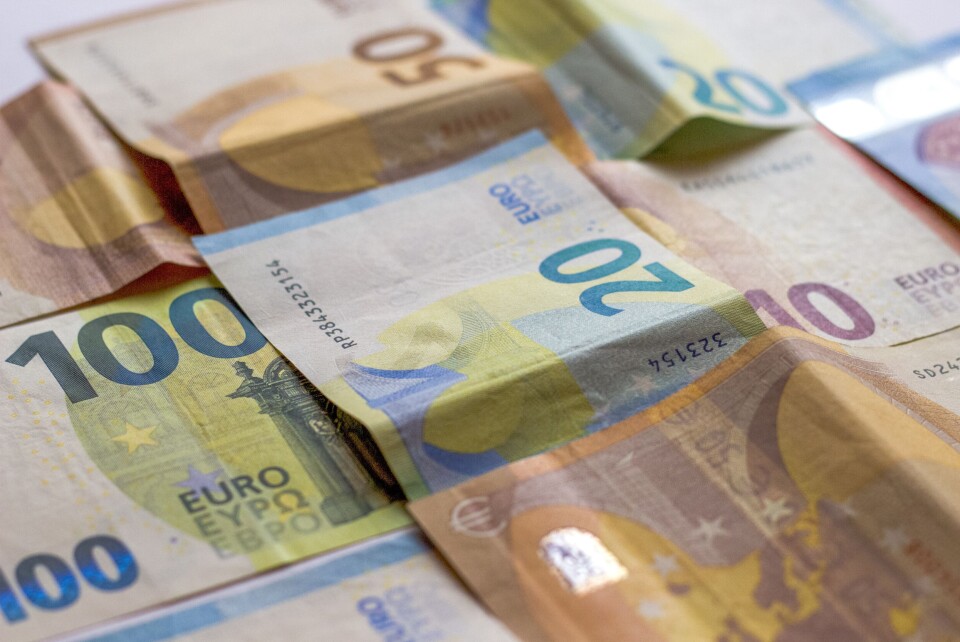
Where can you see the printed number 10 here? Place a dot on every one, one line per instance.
(163, 350)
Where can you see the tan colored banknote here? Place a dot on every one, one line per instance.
(481, 313)
(156, 446)
(790, 494)
(811, 238)
(394, 588)
(77, 218)
(265, 107)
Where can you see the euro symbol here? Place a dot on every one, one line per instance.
(473, 517)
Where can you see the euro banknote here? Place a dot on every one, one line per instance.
(77, 218)
(790, 494)
(930, 366)
(901, 106)
(811, 238)
(482, 313)
(392, 588)
(264, 108)
(630, 74)
(163, 447)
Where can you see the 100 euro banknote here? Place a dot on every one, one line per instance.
(264, 108)
(77, 219)
(793, 493)
(156, 446)
(631, 74)
(392, 588)
(482, 313)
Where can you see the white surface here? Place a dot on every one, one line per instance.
(922, 20)
(25, 19)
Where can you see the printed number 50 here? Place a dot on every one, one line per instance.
(402, 44)
(592, 297)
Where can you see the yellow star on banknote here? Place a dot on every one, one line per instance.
(136, 437)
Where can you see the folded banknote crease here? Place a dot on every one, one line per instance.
(78, 220)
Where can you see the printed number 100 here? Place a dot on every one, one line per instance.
(163, 350)
(64, 579)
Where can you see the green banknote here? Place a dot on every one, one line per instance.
(482, 313)
(632, 73)
(164, 447)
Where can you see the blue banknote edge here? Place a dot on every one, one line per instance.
(262, 593)
(223, 241)
(822, 85)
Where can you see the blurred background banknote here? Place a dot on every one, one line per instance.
(791, 493)
(482, 313)
(393, 588)
(631, 74)
(162, 447)
(78, 220)
(782, 220)
(901, 106)
(263, 108)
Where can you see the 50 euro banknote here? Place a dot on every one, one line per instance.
(264, 108)
(78, 220)
(794, 492)
(482, 313)
(678, 75)
(159, 446)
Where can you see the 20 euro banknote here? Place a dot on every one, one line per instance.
(681, 75)
(482, 313)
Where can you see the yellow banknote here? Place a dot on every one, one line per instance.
(264, 108)
(77, 218)
(157, 446)
(791, 493)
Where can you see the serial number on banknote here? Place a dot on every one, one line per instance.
(308, 306)
(948, 367)
(692, 350)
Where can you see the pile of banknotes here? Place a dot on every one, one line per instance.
(422, 320)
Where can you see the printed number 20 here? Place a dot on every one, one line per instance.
(738, 84)
(592, 297)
